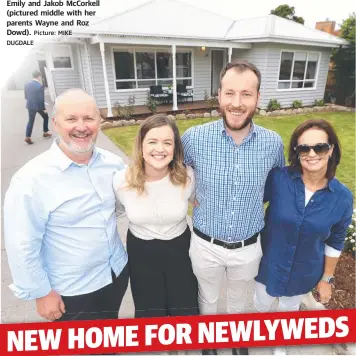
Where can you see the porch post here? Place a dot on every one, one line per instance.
(230, 54)
(49, 77)
(175, 107)
(107, 93)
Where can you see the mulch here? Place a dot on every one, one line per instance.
(343, 295)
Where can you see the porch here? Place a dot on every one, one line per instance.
(142, 110)
(125, 70)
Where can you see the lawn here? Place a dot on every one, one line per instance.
(343, 122)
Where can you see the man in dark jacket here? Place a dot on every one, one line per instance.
(34, 94)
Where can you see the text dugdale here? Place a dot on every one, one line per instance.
(20, 43)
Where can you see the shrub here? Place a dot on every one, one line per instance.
(330, 97)
(350, 240)
(130, 107)
(151, 104)
(119, 110)
(206, 96)
(318, 102)
(126, 111)
(211, 100)
(274, 105)
(297, 104)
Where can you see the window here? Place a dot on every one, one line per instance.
(298, 70)
(62, 57)
(137, 68)
(164, 65)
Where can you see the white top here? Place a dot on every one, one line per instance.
(308, 195)
(160, 212)
(329, 251)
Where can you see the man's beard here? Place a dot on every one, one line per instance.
(75, 148)
(244, 124)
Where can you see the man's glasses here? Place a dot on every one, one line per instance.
(319, 149)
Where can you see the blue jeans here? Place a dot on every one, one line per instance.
(31, 121)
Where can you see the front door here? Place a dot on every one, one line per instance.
(217, 64)
(41, 66)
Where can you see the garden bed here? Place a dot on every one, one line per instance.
(199, 111)
(343, 295)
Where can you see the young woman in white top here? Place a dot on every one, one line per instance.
(154, 192)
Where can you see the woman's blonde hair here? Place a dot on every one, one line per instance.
(135, 176)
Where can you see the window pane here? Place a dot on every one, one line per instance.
(62, 62)
(297, 84)
(311, 70)
(313, 57)
(60, 51)
(184, 65)
(125, 85)
(286, 66)
(283, 85)
(145, 65)
(145, 83)
(164, 65)
(309, 84)
(124, 65)
(165, 82)
(299, 65)
(300, 56)
(186, 82)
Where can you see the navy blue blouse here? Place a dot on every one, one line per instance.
(294, 237)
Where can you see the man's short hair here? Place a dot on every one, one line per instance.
(240, 66)
(36, 74)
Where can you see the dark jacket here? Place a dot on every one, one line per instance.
(34, 94)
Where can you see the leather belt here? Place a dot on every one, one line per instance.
(230, 246)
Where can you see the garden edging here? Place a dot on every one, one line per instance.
(110, 123)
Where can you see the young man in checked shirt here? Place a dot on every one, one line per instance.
(231, 158)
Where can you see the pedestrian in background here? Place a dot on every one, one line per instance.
(34, 94)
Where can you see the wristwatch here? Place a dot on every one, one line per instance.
(328, 279)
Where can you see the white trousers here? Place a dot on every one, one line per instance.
(263, 301)
(210, 263)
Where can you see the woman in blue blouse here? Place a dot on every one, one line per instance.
(306, 221)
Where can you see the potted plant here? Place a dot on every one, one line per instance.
(170, 89)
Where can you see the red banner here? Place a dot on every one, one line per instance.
(180, 333)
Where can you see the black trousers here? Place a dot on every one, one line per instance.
(31, 120)
(161, 276)
(101, 304)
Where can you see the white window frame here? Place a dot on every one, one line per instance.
(305, 71)
(152, 50)
(70, 55)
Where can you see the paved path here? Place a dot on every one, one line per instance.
(15, 153)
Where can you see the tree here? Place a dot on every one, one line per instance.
(344, 64)
(287, 12)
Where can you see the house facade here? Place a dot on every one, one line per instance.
(168, 43)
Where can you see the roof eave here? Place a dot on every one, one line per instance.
(143, 35)
(291, 40)
(164, 41)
